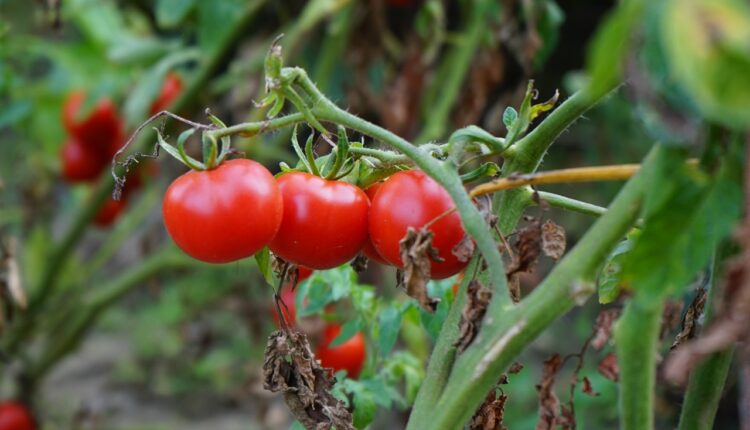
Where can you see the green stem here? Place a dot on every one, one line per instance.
(637, 340)
(70, 335)
(60, 253)
(574, 205)
(454, 68)
(507, 329)
(707, 380)
(259, 126)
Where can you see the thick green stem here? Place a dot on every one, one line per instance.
(507, 329)
(707, 380)
(637, 340)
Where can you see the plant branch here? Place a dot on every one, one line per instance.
(567, 203)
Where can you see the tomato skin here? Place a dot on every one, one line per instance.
(412, 199)
(224, 214)
(15, 416)
(171, 88)
(325, 222)
(369, 248)
(102, 131)
(109, 212)
(349, 356)
(79, 163)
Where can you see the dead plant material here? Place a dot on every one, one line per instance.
(670, 317)
(528, 248)
(553, 240)
(417, 253)
(549, 404)
(690, 321)
(603, 327)
(490, 414)
(609, 368)
(290, 367)
(478, 298)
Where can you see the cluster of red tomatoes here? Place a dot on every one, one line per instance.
(349, 355)
(233, 211)
(95, 137)
(15, 416)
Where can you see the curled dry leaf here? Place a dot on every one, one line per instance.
(290, 367)
(478, 298)
(690, 322)
(490, 414)
(528, 248)
(465, 249)
(609, 368)
(553, 240)
(359, 264)
(416, 253)
(515, 368)
(670, 317)
(587, 388)
(548, 401)
(603, 327)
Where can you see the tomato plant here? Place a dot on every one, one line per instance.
(223, 214)
(15, 416)
(170, 90)
(413, 199)
(350, 355)
(324, 223)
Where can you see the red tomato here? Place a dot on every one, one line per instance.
(412, 199)
(101, 130)
(79, 163)
(224, 214)
(369, 248)
(169, 91)
(15, 416)
(303, 273)
(325, 222)
(349, 356)
(109, 212)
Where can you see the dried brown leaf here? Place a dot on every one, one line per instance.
(478, 298)
(603, 327)
(359, 264)
(609, 368)
(690, 322)
(290, 367)
(528, 247)
(553, 240)
(670, 317)
(515, 368)
(417, 253)
(490, 414)
(587, 388)
(464, 249)
(549, 404)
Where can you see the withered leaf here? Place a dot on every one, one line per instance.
(553, 240)
(359, 264)
(528, 248)
(417, 253)
(515, 368)
(490, 414)
(464, 249)
(603, 327)
(587, 388)
(670, 317)
(689, 323)
(290, 367)
(548, 401)
(478, 298)
(567, 418)
(609, 368)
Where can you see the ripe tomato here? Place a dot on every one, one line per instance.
(15, 416)
(224, 214)
(369, 248)
(325, 222)
(109, 212)
(101, 131)
(169, 91)
(349, 356)
(79, 163)
(412, 199)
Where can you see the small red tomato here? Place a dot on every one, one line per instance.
(79, 163)
(325, 222)
(100, 131)
(223, 214)
(303, 273)
(169, 91)
(412, 199)
(349, 356)
(15, 416)
(109, 212)
(369, 248)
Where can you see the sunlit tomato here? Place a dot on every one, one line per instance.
(169, 92)
(100, 130)
(369, 248)
(109, 212)
(79, 163)
(224, 214)
(412, 199)
(349, 356)
(325, 222)
(15, 416)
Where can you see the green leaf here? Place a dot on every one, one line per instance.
(364, 409)
(609, 282)
(170, 13)
(389, 325)
(687, 213)
(263, 259)
(348, 330)
(707, 43)
(509, 117)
